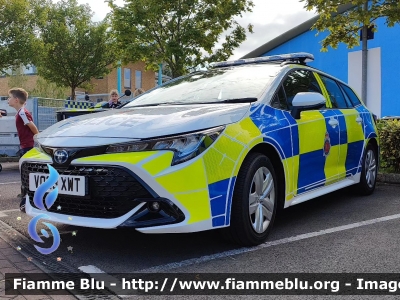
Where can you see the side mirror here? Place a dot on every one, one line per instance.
(306, 101)
(3, 112)
(128, 93)
(87, 98)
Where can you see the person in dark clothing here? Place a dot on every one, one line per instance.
(113, 102)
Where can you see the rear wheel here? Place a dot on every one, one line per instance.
(254, 202)
(369, 171)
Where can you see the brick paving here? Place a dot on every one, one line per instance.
(12, 261)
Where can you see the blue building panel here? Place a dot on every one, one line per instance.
(335, 61)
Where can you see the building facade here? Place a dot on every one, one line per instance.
(133, 76)
(383, 62)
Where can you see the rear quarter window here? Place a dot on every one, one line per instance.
(335, 93)
(350, 94)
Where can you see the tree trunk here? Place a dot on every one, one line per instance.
(176, 72)
(73, 92)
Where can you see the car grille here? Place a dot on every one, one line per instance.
(110, 190)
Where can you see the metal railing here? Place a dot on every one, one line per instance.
(44, 113)
(45, 110)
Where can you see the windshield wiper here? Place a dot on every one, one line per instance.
(237, 100)
(144, 105)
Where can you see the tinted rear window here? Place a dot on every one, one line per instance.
(352, 96)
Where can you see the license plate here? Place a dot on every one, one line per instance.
(67, 184)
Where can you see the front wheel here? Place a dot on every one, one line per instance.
(254, 202)
(369, 171)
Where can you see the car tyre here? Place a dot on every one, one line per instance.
(254, 202)
(369, 171)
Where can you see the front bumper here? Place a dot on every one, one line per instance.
(187, 202)
(195, 195)
(114, 197)
(140, 216)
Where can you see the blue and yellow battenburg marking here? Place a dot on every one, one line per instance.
(77, 104)
(319, 149)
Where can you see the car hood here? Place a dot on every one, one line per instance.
(134, 123)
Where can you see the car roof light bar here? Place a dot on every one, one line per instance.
(301, 57)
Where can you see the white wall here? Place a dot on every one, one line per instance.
(374, 77)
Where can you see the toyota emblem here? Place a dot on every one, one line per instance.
(60, 156)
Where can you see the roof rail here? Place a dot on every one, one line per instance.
(300, 57)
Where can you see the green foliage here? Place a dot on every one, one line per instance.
(181, 33)
(345, 27)
(47, 89)
(17, 78)
(389, 136)
(74, 49)
(18, 33)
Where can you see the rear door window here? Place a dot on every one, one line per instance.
(352, 96)
(335, 93)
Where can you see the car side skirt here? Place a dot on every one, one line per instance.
(354, 179)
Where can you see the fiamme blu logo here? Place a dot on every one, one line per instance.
(44, 205)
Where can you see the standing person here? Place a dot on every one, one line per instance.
(113, 102)
(23, 119)
(25, 127)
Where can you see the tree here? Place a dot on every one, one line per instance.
(344, 20)
(17, 78)
(18, 33)
(181, 33)
(345, 27)
(75, 49)
(45, 89)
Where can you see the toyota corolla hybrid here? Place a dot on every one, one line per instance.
(217, 149)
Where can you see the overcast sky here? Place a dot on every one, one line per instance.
(270, 18)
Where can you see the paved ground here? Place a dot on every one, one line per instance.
(336, 233)
(13, 261)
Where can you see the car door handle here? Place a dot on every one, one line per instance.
(333, 122)
(359, 120)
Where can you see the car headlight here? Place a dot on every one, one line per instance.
(184, 146)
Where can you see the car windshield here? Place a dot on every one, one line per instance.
(245, 83)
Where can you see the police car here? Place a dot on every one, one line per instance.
(217, 149)
(76, 109)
